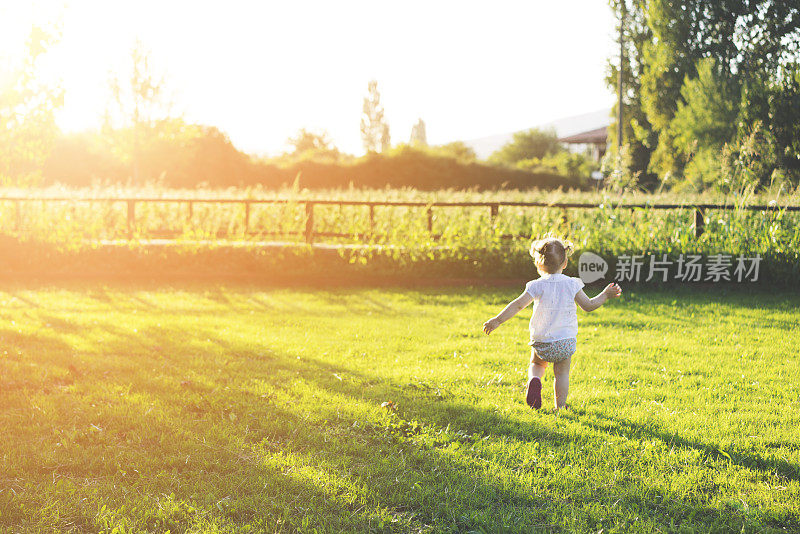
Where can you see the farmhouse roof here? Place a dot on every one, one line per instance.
(598, 136)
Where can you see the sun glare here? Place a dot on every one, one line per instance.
(251, 252)
(260, 71)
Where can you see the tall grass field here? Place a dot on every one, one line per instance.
(467, 240)
(225, 408)
(73, 221)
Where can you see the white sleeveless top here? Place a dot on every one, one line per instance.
(554, 310)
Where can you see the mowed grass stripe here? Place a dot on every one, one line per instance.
(236, 409)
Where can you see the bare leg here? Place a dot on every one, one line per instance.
(533, 393)
(537, 367)
(561, 382)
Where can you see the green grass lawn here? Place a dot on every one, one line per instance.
(237, 409)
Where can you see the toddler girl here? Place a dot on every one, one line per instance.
(554, 323)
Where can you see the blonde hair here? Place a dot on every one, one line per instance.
(550, 253)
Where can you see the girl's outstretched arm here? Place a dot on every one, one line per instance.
(508, 312)
(611, 291)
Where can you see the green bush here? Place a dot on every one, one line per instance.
(533, 143)
(562, 163)
(405, 166)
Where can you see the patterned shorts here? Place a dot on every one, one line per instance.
(554, 351)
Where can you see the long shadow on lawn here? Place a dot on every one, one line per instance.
(197, 411)
(192, 414)
(615, 424)
(471, 419)
(467, 418)
(26, 301)
(245, 300)
(22, 374)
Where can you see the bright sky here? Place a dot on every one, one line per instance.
(261, 70)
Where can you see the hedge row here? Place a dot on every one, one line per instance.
(215, 162)
(412, 169)
(299, 264)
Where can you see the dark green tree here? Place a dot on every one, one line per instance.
(767, 143)
(750, 41)
(708, 108)
(698, 75)
(785, 112)
(638, 135)
(705, 121)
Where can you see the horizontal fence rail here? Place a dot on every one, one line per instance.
(309, 233)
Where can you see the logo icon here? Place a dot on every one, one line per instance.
(591, 267)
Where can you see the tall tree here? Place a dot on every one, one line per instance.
(27, 115)
(139, 111)
(696, 72)
(707, 110)
(386, 138)
(750, 41)
(705, 122)
(638, 136)
(418, 135)
(374, 129)
(767, 141)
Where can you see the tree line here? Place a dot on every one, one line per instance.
(140, 141)
(711, 94)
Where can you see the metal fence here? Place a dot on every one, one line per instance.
(309, 233)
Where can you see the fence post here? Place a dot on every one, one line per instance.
(699, 222)
(131, 217)
(246, 217)
(494, 208)
(191, 211)
(371, 219)
(430, 219)
(309, 222)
